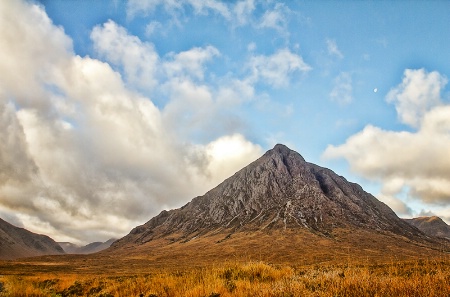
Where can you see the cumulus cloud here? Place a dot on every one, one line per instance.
(138, 59)
(342, 90)
(418, 93)
(414, 161)
(142, 65)
(276, 69)
(84, 156)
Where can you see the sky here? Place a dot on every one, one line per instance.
(111, 111)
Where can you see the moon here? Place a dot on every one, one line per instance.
(375, 90)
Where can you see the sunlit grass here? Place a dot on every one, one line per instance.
(419, 278)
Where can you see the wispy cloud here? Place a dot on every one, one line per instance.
(153, 27)
(276, 69)
(276, 18)
(237, 13)
(342, 90)
(333, 49)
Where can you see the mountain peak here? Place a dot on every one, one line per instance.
(281, 147)
(280, 191)
(284, 151)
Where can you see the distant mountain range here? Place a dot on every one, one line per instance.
(433, 226)
(90, 248)
(279, 207)
(19, 243)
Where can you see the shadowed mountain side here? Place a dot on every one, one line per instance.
(432, 226)
(278, 195)
(19, 243)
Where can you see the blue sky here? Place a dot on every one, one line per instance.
(116, 110)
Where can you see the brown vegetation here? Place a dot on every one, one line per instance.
(409, 278)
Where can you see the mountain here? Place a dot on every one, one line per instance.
(69, 248)
(90, 248)
(280, 206)
(19, 243)
(433, 226)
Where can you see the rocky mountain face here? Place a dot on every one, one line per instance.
(19, 243)
(432, 226)
(279, 191)
(90, 248)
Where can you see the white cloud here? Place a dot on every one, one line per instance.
(152, 27)
(276, 19)
(418, 93)
(413, 161)
(142, 65)
(135, 7)
(251, 47)
(139, 59)
(189, 63)
(84, 157)
(33, 63)
(201, 7)
(226, 154)
(238, 13)
(333, 49)
(342, 90)
(276, 69)
(243, 10)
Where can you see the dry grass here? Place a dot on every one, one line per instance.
(412, 278)
(362, 263)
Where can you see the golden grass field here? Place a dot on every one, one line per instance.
(406, 278)
(357, 263)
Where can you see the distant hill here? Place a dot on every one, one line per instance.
(90, 248)
(19, 243)
(433, 226)
(279, 208)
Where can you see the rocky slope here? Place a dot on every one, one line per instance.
(19, 243)
(279, 191)
(432, 226)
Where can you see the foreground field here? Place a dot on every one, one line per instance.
(412, 278)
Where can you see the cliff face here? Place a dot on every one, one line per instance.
(19, 243)
(278, 191)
